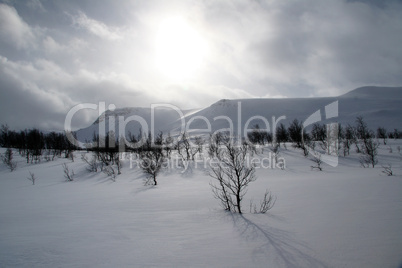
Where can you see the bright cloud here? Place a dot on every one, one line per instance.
(96, 27)
(56, 54)
(13, 29)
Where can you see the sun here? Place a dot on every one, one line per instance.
(179, 49)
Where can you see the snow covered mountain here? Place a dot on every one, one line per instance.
(379, 106)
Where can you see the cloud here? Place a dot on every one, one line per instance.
(14, 29)
(47, 92)
(51, 61)
(36, 4)
(305, 48)
(31, 101)
(96, 27)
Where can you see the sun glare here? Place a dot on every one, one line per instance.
(180, 50)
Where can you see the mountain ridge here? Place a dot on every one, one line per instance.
(379, 106)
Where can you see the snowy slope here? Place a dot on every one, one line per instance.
(163, 118)
(346, 216)
(379, 107)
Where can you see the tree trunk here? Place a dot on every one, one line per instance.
(238, 202)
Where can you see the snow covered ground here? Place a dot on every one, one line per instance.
(345, 216)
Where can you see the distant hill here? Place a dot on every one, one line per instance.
(379, 106)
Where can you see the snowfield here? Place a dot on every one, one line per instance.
(345, 216)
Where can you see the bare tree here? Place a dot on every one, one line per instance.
(215, 142)
(387, 170)
(7, 159)
(168, 145)
(275, 150)
(233, 176)
(369, 156)
(32, 177)
(362, 133)
(396, 134)
(319, 134)
(4, 135)
(151, 164)
(259, 136)
(276, 153)
(317, 160)
(349, 139)
(104, 159)
(281, 135)
(296, 133)
(185, 148)
(368, 147)
(111, 172)
(266, 203)
(69, 175)
(92, 163)
(250, 147)
(199, 142)
(382, 134)
(152, 159)
(305, 150)
(118, 163)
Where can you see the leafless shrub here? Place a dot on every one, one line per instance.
(118, 163)
(92, 163)
(7, 159)
(349, 139)
(382, 134)
(387, 170)
(305, 150)
(185, 147)
(46, 156)
(71, 155)
(199, 141)
(317, 160)
(215, 142)
(151, 164)
(275, 148)
(275, 151)
(69, 175)
(369, 157)
(32, 177)
(312, 145)
(104, 159)
(266, 204)
(111, 172)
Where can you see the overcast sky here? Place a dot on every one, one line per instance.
(55, 54)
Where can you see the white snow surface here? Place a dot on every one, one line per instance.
(345, 216)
